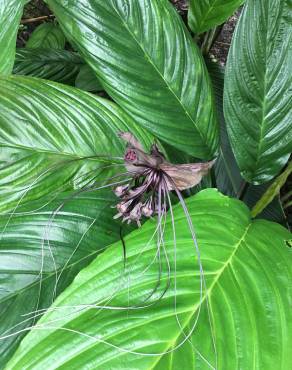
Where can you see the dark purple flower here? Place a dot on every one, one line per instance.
(152, 178)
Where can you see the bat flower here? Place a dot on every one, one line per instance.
(152, 177)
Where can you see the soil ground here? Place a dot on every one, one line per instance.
(34, 9)
(218, 52)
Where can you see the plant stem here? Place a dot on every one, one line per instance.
(209, 39)
(38, 19)
(196, 38)
(287, 196)
(223, 43)
(243, 190)
(287, 205)
(272, 191)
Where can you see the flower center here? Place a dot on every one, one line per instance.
(131, 155)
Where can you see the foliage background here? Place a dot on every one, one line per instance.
(250, 270)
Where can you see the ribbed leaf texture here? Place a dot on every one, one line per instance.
(10, 15)
(87, 80)
(42, 250)
(46, 130)
(149, 64)
(228, 178)
(47, 35)
(227, 173)
(257, 96)
(205, 14)
(50, 64)
(247, 269)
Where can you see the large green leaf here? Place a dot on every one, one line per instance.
(272, 212)
(257, 97)
(272, 191)
(227, 173)
(10, 14)
(50, 64)
(228, 178)
(45, 131)
(205, 14)
(87, 80)
(148, 63)
(84, 224)
(47, 35)
(247, 269)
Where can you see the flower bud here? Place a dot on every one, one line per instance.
(147, 211)
(120, 190)
(122, 207)
(135, 214)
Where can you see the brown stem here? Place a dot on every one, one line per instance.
(38, 19)
(223, 43)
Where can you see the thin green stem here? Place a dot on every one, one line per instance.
(286, 196)
(209, 39)
(287, 205)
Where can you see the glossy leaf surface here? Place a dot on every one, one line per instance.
(50, 64)
(46, 35)
(257, 97)
(87, 80)
(272, 191)
(46, 130)
(272, 211)
(59, 244)
(205, 14)
(227, 173)
(246, 289)
(228, 178)
(10, 15)
(147, 61)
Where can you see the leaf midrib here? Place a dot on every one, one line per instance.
(203, 19)
(60, 61)
(45, 151)
(209, 291)
(263, 106)
(162, 77)
(172, 343)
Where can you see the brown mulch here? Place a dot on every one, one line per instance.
(220, 48)
(181, 6)
(34, 9)
(218, 52)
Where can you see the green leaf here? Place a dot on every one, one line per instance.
(84, 223)
(273, 211)
(46, 35)
(149, 64)
(227, 173)
(87, 80)
(228, 178)
(46, 132)
(257, 100)
(51, 64)
(10, 15)
(272, 191)
(247, 269)
(206, 14)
